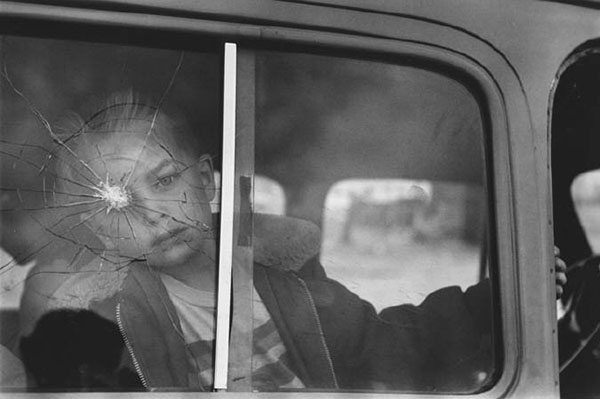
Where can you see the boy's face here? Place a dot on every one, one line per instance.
(154, 198)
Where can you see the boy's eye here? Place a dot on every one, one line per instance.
(166, 181)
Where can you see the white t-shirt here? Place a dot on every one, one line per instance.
(196, 312)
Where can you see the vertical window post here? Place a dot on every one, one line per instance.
(227, 212)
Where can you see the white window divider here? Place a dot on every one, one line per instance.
(227, 214)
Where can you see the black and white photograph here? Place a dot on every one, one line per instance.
(303, 198)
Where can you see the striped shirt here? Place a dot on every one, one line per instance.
(196, 312)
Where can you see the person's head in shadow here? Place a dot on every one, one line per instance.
(76, 350)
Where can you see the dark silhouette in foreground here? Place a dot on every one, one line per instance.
(76, 350)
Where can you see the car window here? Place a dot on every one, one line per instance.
(360, 222)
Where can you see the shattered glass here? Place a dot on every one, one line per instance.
(107, 159)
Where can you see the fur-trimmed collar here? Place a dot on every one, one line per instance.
(284, 242)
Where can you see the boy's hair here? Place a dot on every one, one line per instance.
(109, 121)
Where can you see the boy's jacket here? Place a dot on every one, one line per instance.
(334, 339)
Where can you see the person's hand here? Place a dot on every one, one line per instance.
(560, 271)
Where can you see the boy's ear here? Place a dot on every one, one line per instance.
(207, 176)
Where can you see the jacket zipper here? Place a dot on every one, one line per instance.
(136, 364)
(321, 334)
